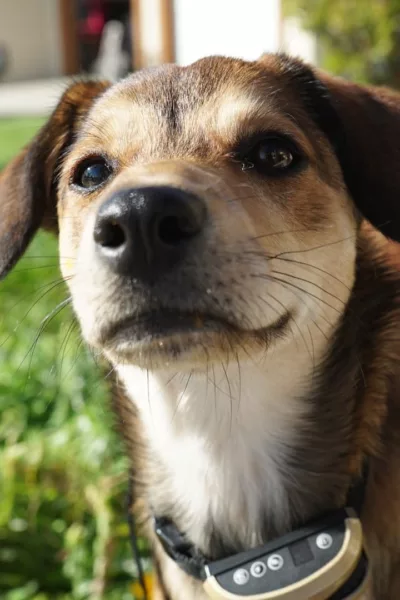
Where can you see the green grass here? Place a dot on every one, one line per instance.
(63, 533)
(15, 133)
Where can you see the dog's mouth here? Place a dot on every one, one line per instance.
(156, 325)
(172, 333)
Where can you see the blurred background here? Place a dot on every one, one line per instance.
(63, 532)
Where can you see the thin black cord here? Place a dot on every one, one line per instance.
(133, 537)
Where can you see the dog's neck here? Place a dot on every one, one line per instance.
(234, 464)
(225, 443)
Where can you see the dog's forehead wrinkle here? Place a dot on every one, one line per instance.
(185, 100)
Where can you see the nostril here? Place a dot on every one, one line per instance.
(109, 234)
(172, 230)
(145, 231)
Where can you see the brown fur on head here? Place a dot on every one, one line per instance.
(155, 131)
(231, 100)
(281, 167)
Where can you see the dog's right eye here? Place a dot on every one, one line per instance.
(92, 173)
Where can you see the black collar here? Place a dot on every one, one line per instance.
(191, 560)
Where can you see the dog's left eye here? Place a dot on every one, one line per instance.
(271, 156)
(92, 173)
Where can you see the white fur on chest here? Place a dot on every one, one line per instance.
(223, 438)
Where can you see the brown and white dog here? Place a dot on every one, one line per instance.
(212, 224)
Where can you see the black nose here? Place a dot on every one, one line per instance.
(144, 231)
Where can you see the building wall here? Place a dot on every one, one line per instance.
(298, 42)
(239, 28)
(30, 30)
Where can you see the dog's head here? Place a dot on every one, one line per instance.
(204, 210)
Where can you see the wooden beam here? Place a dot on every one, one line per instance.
(136, 45)
(69, 38)
(168, 30)
(152, 27)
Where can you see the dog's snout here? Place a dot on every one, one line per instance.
(144, 231)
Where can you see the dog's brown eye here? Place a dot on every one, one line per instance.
(92, 173)
(271, 156)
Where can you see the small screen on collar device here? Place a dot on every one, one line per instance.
(323, 560)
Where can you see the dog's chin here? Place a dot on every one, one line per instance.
(165, 339)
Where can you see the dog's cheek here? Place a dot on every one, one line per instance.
(68, 245)
(90, 285)
(72, 219)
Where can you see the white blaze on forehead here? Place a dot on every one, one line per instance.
(235, 109)
(240, 112)
(122, 121)
(121, 118)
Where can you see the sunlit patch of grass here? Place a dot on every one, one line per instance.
(14, 134)
(63, 534)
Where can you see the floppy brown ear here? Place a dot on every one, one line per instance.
(28, 184)
(369, 151)
(363, 126)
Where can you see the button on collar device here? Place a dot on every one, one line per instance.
(323, 560)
